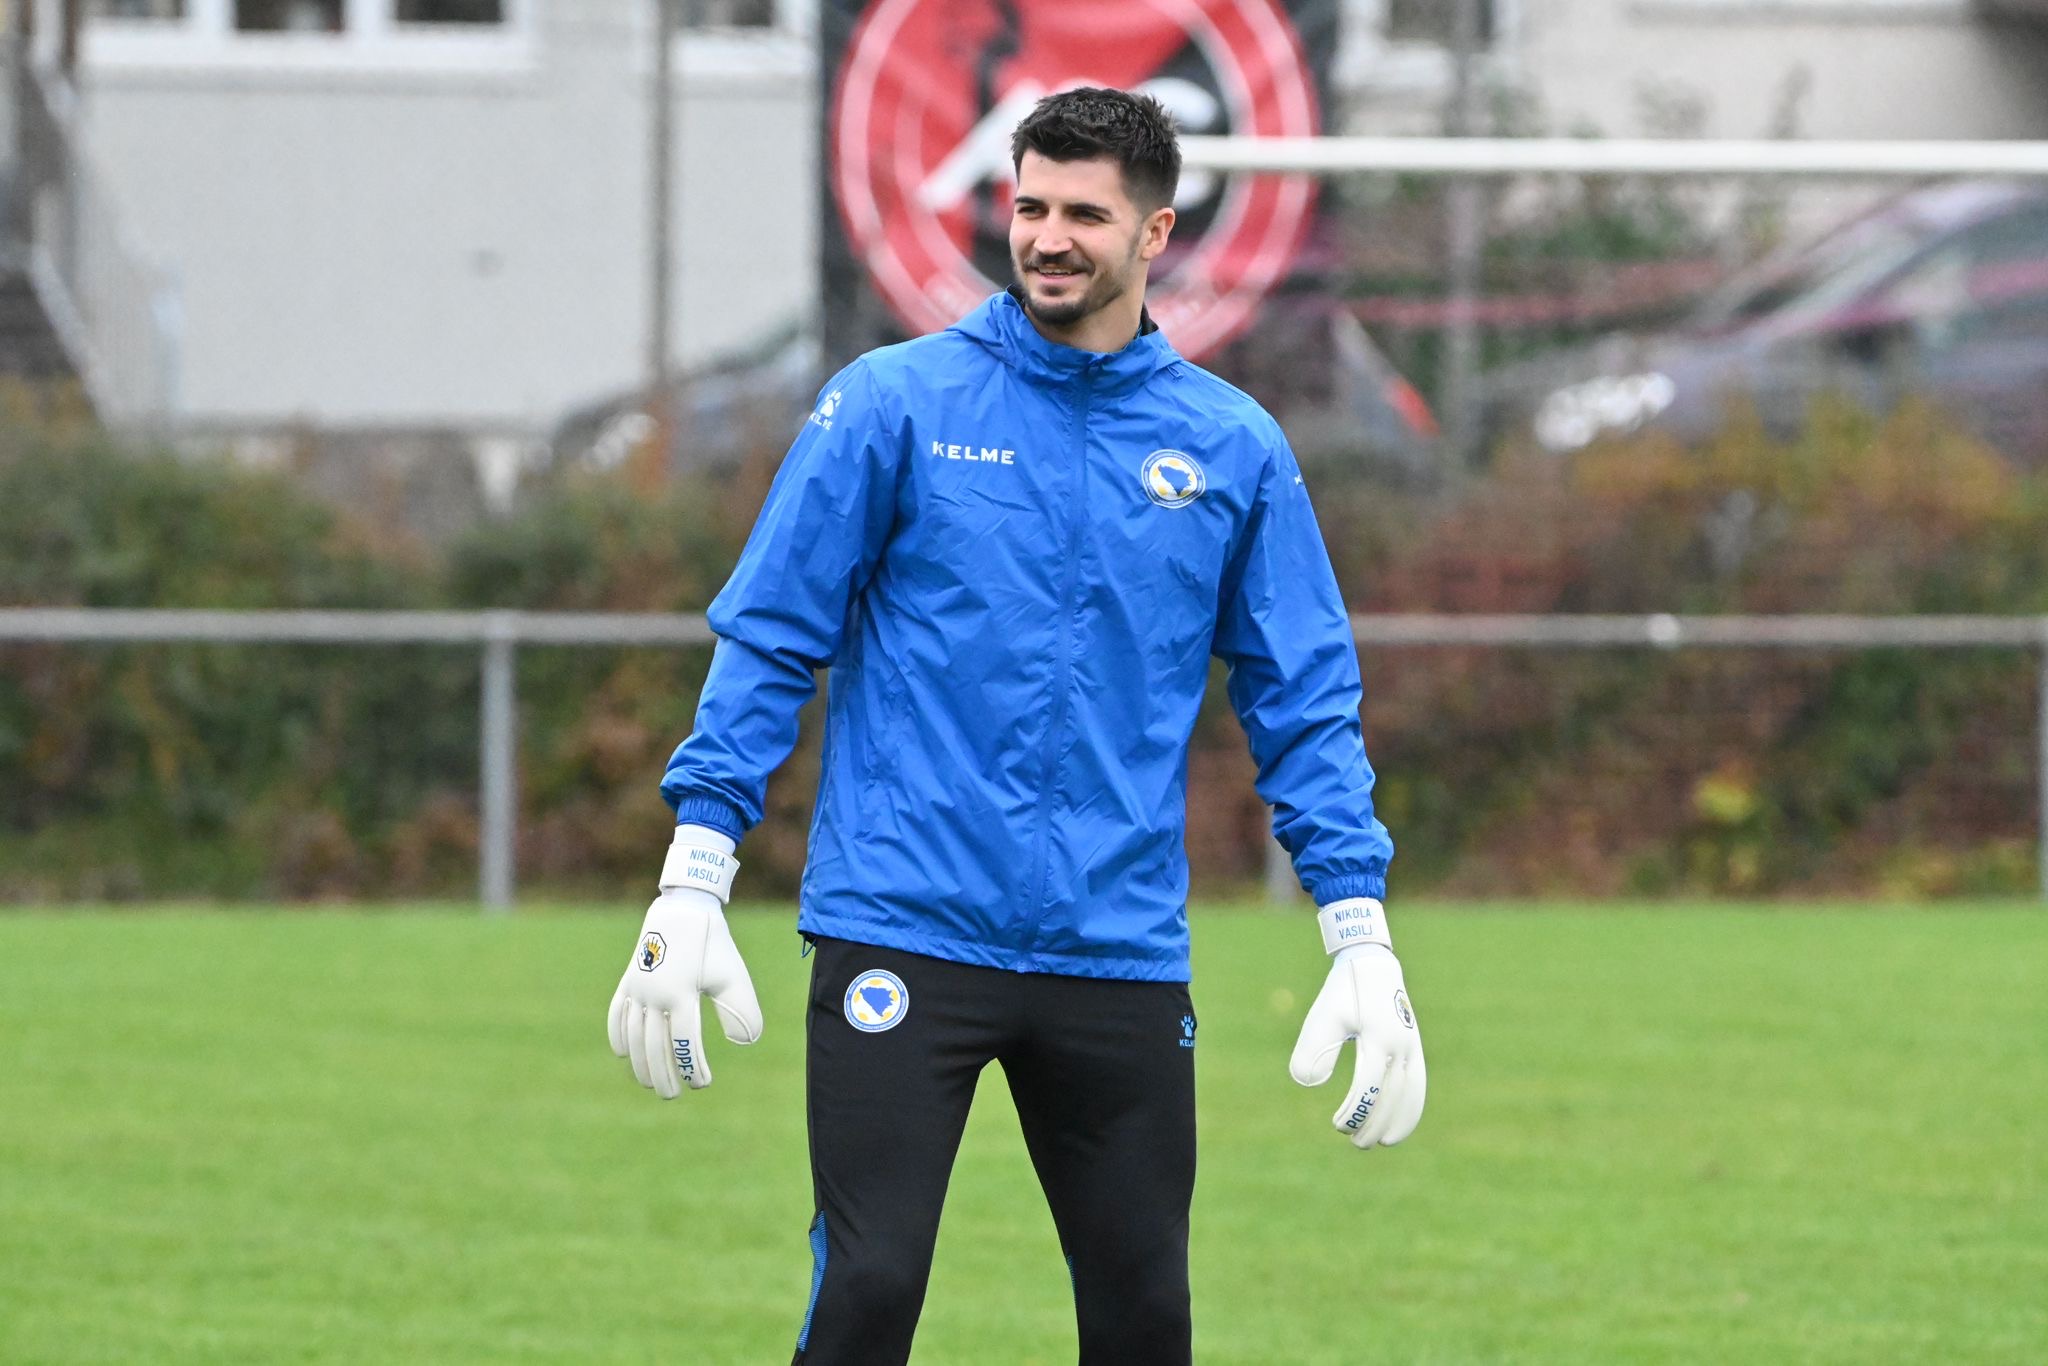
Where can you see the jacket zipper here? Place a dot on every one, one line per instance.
(1065, 678)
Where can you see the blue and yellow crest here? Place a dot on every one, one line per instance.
(877, 1001)
(1172, 479)
(653, 948)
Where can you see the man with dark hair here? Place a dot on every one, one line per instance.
(1134, 131)
(1084, 140)
(1017, 543)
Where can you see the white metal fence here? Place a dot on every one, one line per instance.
(499, 634)
(119, 317)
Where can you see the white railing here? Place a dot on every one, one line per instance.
(119, 318)
(499, 634)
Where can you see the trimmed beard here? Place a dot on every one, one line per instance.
(1102, 291)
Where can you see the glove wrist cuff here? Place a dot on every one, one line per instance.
(1356, 920)
(695, 865)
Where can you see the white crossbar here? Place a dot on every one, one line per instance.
(1616, 156)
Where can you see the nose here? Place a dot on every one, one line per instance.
(1052, 242)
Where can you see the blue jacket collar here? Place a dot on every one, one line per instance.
(1000, 325)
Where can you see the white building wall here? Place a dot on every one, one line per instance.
(1869, 68)
(382, 242)
(411, 241)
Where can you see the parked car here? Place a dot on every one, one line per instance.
(1941, 292)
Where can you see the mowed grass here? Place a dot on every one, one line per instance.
(1654, 1134)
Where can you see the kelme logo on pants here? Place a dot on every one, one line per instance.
(877, 1001)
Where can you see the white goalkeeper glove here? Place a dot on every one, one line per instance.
(1364, 999)
(684, 951)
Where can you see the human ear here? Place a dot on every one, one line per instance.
(1158, 227)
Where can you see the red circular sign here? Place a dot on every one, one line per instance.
(929, 91)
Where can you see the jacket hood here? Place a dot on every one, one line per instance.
(1000, 325)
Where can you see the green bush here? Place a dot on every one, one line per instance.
(266, 772)
(207, 769)
(1745, 771)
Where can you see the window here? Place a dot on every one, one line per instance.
(1430, 21)
(451, 11)
(744, 43)
(728, 14)
(332, 16)
(2013, 322)
(1402, 48)
(156, 10)
(279, 38)
(1989, 282)
(289, 16)
(1809, 11)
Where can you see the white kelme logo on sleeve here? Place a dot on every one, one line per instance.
(830, 405)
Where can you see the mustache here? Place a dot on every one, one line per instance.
(1062, 262)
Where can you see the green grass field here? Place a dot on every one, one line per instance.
(1669, 1134)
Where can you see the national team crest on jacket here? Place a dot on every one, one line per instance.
(1172, 479)
(877, 1001)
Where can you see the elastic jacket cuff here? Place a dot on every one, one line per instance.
(701, 808)
(1348, 885)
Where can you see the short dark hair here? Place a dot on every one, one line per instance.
(1090, 122)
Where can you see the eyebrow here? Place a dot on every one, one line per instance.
(1079, 206)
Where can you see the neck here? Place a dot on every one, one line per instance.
(1106, 329)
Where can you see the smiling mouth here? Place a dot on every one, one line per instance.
(1057, 272)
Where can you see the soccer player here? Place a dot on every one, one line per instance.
(1017, 543)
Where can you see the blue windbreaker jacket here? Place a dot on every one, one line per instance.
(1017, 559)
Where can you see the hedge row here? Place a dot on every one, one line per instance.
(259, 772)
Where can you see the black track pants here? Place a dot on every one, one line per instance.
(1103, 1075)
